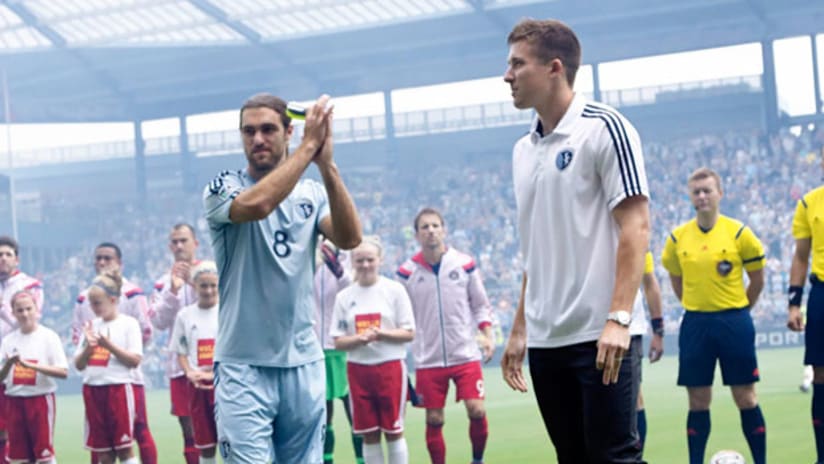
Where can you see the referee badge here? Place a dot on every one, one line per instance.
(724, 268)
(563, 159)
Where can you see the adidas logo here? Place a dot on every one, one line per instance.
(125, 438)
(46, 453)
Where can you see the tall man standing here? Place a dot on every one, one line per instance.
(582, 200)
(264, 222)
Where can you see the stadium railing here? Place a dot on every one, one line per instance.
(366, 128)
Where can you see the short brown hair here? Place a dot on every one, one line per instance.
(428, 210)
(266, 100)
(185, 225)
(550, 39)
(10, 242)
(705, 173)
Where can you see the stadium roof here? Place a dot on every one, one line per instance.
(124, 60)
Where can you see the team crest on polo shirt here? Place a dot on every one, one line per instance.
(454, 275)
(563, 159)
(724, 268)
(304, 209)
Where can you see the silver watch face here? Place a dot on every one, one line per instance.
(622, 317)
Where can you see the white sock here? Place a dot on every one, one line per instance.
(204, 460)
(131, 460)
(373, 453)
(397, 451)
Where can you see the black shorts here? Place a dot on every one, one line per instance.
(727, 337)
(814, 327)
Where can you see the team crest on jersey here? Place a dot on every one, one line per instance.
(216, 185)
(225, 449)
(305, 209)
(454, 275)
(563, 159)
(724, 268)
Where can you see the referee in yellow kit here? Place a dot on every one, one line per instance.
(706, 258)
(809, 237)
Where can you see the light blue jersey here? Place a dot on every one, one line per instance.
(266, 273)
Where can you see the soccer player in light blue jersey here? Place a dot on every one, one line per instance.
(264, 223)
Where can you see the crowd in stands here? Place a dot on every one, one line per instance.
(763, 176)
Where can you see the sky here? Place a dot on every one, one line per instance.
(794, 78)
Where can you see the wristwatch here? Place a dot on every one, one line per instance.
(621, 317)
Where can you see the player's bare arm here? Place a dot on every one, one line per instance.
(652, 293)
(395, 335)
(81, 361)
(632, 217)
(342, 226)
(798, 273)
(755, 286)
(51, 371)
(677, 283)
(350, 342)
(128, 358)
(513, 358)
(258, 201)
(8, 364)
(198, 379)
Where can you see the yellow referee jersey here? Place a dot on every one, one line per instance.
(711, 264)
(649, 265)
(808, 222)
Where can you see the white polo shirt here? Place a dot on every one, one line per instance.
(566, 185)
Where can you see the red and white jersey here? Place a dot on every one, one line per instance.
(103, 367)
(327, 287)
(194, 335)
(164, 308)
(385, 305)
(132, 303)
(42, 346)
(450, 306)
(17, 282)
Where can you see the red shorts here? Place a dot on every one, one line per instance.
(3, 405)
(432, 383)
(202, 408)
(181, 392)
(140, 416)
(31, 427)
(110, 416)
(377, 394)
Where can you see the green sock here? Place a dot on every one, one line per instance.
(329, 445)
(357, 443)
